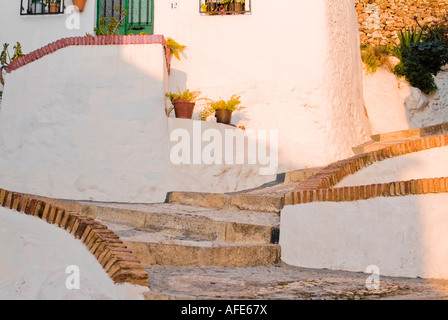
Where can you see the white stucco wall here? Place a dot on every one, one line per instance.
(402, 236)
(35, 256)
(296, 64)
(34, 32)
(393, 105)
(419, 165)
(96, 129)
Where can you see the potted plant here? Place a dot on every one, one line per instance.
(222, 109)
(183, 102)
(54, 6)
(80, 4)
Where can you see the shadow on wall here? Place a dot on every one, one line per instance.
(178, 79)
(101, 133)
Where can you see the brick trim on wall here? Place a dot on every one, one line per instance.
(319, 187)
(116, 259)
(90, 41)
(355, 193)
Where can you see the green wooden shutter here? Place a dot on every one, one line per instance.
(140, 17)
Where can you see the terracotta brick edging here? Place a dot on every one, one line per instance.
(90, 41)
(116, 259)
(319, 187)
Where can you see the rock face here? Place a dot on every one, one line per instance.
(380, 20)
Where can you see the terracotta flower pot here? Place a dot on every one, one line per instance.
(183, 108)
(223, 116)
(80, 4)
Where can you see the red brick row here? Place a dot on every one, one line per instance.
(113, 255)
(89, 41)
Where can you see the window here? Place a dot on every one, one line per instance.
(40, 7)
(140, 17)
(225, 7)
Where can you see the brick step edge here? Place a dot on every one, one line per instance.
(333, 174)
(355, 193)
(116, 259)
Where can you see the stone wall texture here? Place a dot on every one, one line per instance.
(381, 20)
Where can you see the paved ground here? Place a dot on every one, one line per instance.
(282, 282)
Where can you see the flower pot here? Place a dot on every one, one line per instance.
(80, 4)
(223, 116)
(183, 108)
(54, 8)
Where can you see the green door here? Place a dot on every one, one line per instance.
(140, 17)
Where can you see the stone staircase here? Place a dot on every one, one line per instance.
(238, 229)
(177, 235)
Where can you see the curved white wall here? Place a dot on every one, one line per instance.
(430, 163)
(402, 236)
(35, 256)
(96, 129)
(393, 105)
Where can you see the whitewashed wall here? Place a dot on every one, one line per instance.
(96, 129)
(34, 32)
(393, 105)
(296, 64)
(402, 236)
(35, 256)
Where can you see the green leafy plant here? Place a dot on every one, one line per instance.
(407, 38)
(421, 62)
(233, 104)
(6, 59)
(113, 26)
(175, 47)
(190, 96)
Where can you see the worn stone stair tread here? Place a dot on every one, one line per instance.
(233, 202)
(281, 282)
(382, 140)
(156, 248)
(129, 234)
(374, 146)
(243, 217)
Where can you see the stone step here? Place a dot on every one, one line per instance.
(374, 146)
(438, 129)
(156, 248)
(383, 140)
(301, 175)
(195, 222)
(234, 202)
